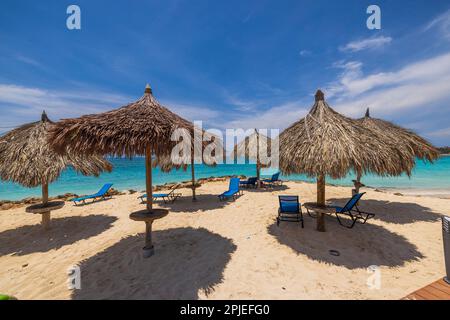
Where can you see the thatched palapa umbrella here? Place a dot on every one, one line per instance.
(27, 158)
(328, 143)
(165, 163)
(417, 146)
(143, 127)
(251, 147)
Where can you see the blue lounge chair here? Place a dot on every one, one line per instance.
(352, 211)
(102, 194)
(250, 182)
(290, 210)
(166, 197)
(233, 190)
(273, 181)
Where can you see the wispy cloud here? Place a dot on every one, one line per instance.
(28, 102)
(28, 60)
(305, 53)
(366, 44)
(441, 133)
(242, 105)
(276, 117)
(429, 74)
(423, 85)
(193, 112)
(21, 104)
(440, 23)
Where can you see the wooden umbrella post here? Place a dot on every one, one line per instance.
(194, 198)
(258, 164)
(45, 215)
(148, 177)
(321, 202)
(149, 214)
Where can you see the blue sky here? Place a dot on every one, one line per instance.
(229, 63)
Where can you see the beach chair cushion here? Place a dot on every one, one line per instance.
(350, 204)
(159, 195)
(290, 210)
(101, 193)
(274, 178)
(289, 207)
(289, 204)
(232, 189)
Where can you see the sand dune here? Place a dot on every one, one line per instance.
(224, 250)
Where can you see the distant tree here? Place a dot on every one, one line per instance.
(444, 150)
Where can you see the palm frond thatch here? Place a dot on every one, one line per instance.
(126, 131)
(143, 127)
(251, 145)
(420, 147)
(166, 164)
(328, 143)
(27, 158)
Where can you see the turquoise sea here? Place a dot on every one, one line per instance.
(130, 174)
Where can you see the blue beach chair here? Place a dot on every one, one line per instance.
(273, 181)
(102, 194)
(233, 190)
(166, 197)
(351, 210)
(250, 182)
(290, 210)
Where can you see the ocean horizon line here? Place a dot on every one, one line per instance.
(128, 174)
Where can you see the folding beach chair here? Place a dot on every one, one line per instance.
(290, 210)
(352, 211)
(249, 183)
(233, 190)
(102, 194)
(273, 181)
(166, 197)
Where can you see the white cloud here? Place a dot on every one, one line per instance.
(28, 61)
(365, 44)
(241, 104)
(440, 23)
(28, 102)
(20, 104)
(423, 84)
(305, 53)
(416, 85)
(276, 117)
(441, 133)
(192, 112)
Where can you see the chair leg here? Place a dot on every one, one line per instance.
(351, 217)
(301, 217)
(278, 222)
(309, 214)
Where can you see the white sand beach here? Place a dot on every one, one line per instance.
(224, 250)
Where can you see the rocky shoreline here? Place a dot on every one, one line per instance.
(11, 204)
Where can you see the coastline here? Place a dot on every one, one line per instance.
(431, 193)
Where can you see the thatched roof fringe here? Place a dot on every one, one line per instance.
(26, 157)
(326, 142)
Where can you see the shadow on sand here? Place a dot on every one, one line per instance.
(205, 202)
(33, 238)
(186, 260)
(394, 212)
(360, 247)
(263, 189)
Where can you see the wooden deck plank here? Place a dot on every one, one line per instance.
(434, 293)
(438, 290)
(444, 287)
